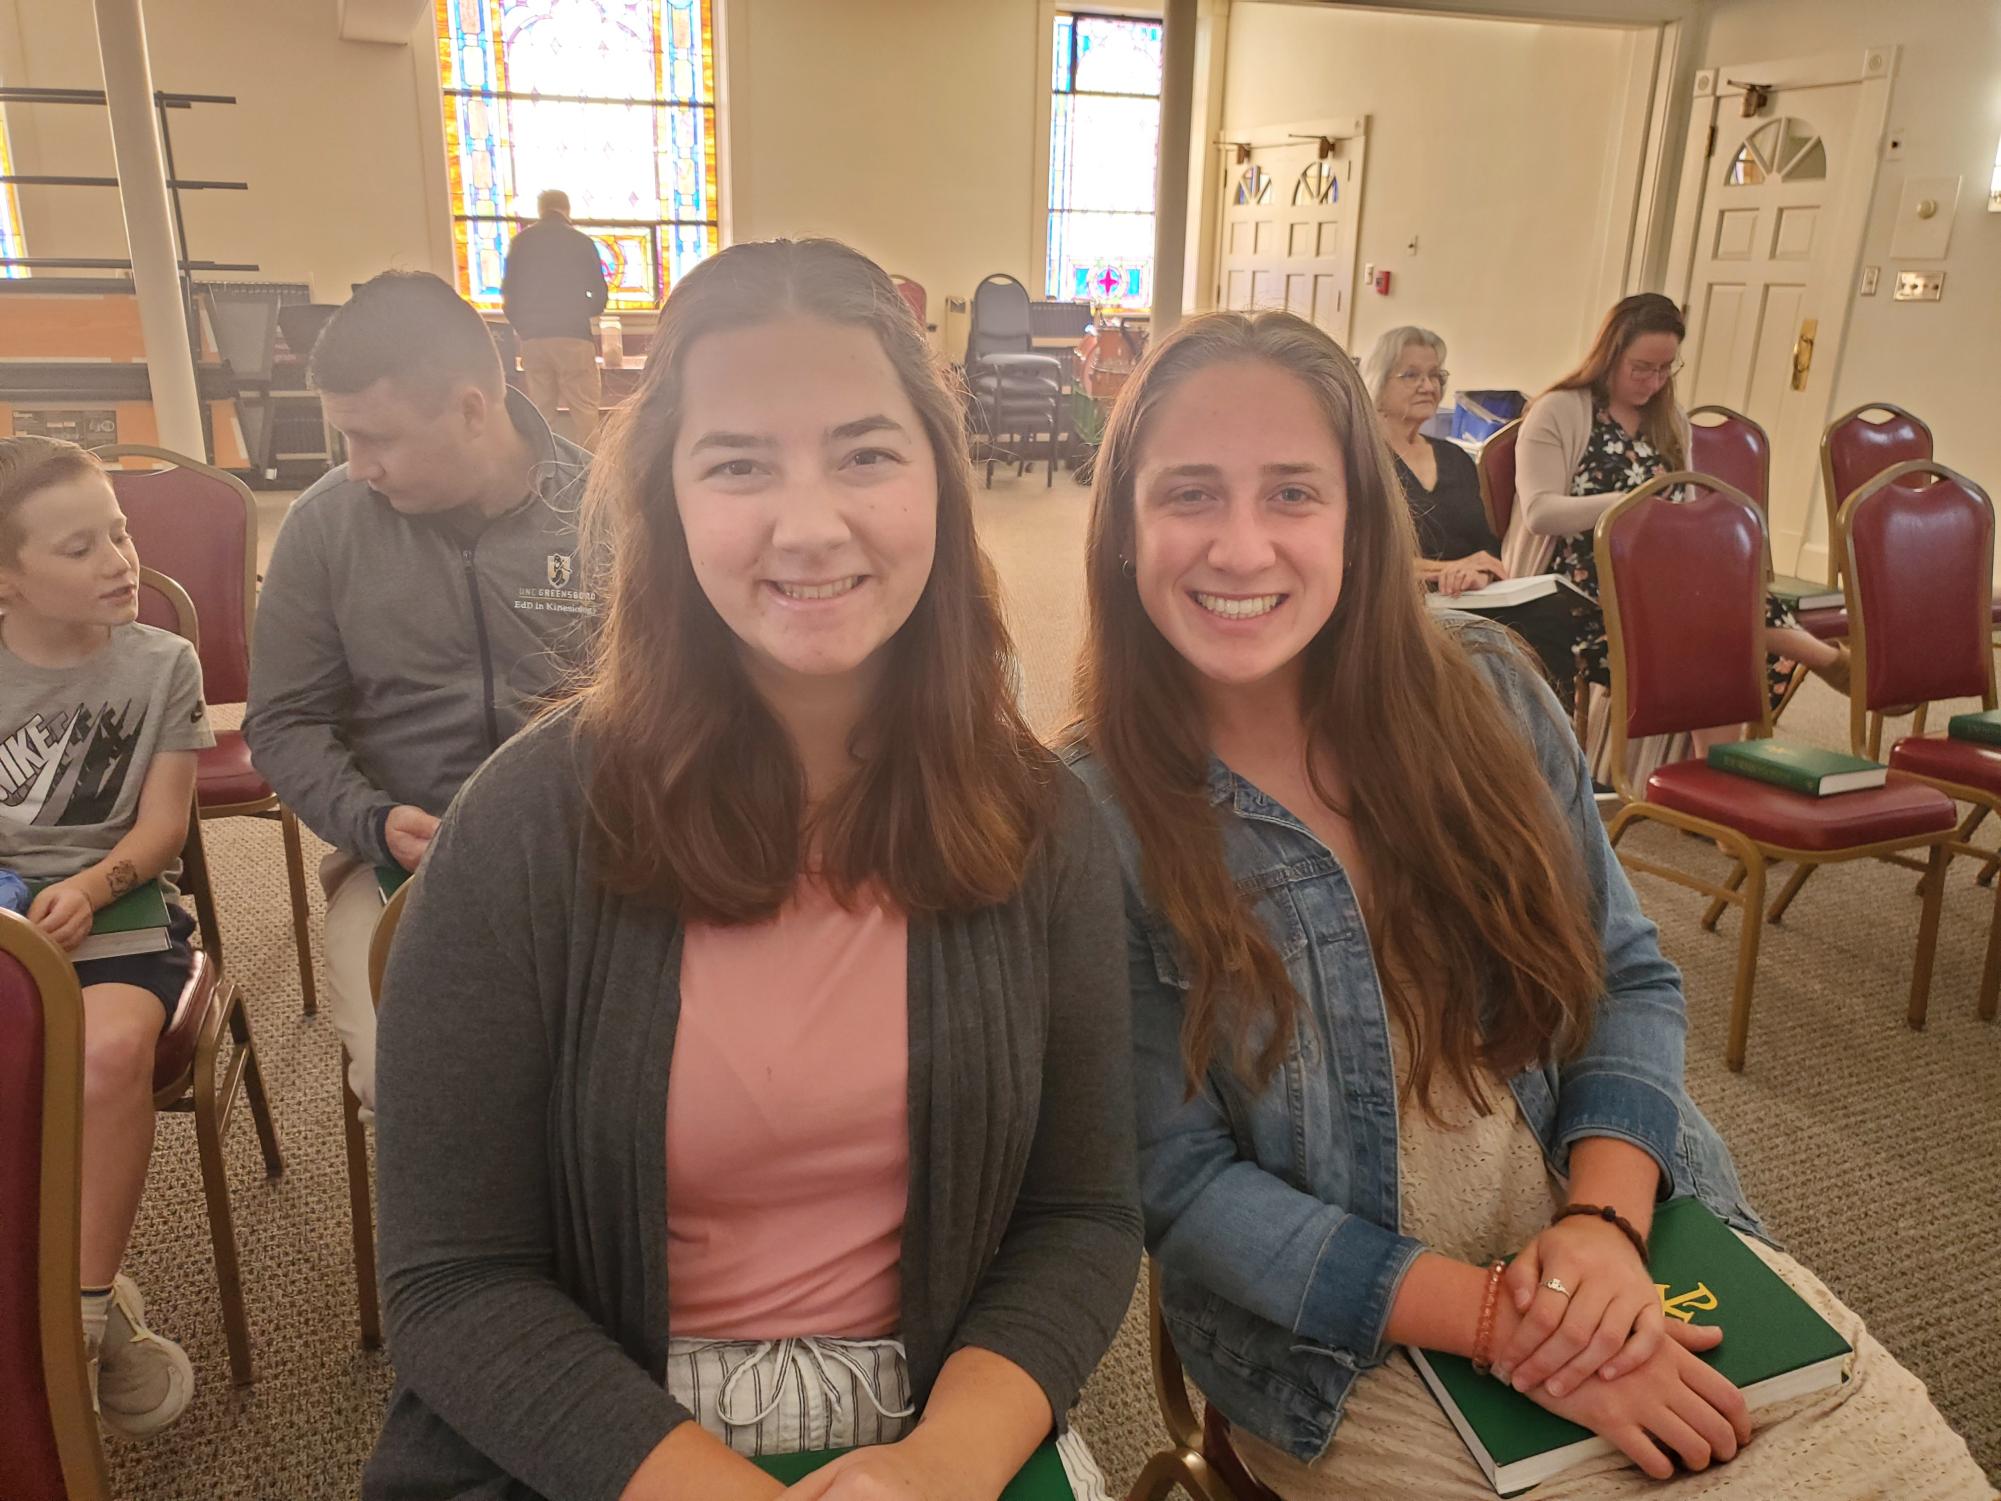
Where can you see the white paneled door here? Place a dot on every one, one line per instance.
(1287, 225)
(1769, 254)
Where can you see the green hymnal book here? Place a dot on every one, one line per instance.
(1985, 728)
(1041, 1479)
(389, 880)
(1804, 594)
(1775, 1347)
(1800, 768)
(134, 924)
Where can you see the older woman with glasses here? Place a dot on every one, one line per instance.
(1406, 376)
(1605, 429)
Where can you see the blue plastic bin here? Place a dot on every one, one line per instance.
(1481, 414)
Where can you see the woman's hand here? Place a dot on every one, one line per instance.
(1611, 1322)
(1670, 1402)
(1461, 574)
(912, 1469)
(63, 912)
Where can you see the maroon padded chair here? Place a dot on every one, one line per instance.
(1682, 581)
(912, 292)
(198, 525)
(48, 1431)
(1496, 466)
(1733, 448)
(1918, 547)
(1855, 449)
(1200, 1458)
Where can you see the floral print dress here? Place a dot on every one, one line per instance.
(1616, 460)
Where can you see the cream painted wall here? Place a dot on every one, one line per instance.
(1938, 359)
(1493, 142)
(906, 127)
(339, 141)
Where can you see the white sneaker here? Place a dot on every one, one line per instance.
(140, 1380)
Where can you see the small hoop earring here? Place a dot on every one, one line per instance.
(1126, 567)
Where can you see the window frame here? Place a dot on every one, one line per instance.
(658, 230)
(1046, 12)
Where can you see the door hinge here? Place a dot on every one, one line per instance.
(1710, 150)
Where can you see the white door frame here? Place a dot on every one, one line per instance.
(1849, 196)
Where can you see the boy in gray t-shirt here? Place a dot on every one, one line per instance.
(100, 720)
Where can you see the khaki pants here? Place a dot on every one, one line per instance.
(354, 902)
(564, 372)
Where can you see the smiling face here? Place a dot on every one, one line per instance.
(1240, 509)
(75, 565)
(1647, 364)
(808, 493)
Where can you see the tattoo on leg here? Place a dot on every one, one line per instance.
(121, 878)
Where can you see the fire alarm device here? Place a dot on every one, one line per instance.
(1383, 283)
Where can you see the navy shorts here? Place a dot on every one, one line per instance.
(164, 972)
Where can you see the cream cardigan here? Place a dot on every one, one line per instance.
(1552, 442)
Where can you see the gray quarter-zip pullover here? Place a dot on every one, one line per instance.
(393, 654)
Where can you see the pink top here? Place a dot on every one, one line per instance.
(788, 1125)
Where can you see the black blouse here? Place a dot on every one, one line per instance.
(1451, 522)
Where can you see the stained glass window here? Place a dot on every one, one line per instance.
(1104, 141)
(611, 101)
(12, 245)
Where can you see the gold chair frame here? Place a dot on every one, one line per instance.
(196, 1090)
(1197, 1460)
(1745, 886)
(65, 1362)
(360, 1187)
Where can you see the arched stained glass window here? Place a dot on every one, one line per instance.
(611, 101)
(12, 244)
(1104, 138)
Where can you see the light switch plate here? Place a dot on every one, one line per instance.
(1870, 276)
(1919, 286)
(1924, 218)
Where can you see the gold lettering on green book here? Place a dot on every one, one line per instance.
(1685, 1306)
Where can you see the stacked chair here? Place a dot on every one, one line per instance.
(1017, 394)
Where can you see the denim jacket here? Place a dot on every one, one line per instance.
(1273, 1215)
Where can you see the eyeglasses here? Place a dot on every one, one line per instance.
(1419, 377)
(1641, 371)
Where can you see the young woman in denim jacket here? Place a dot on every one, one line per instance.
(1396, 1004)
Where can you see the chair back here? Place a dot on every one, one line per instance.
(165, 605)
(1681, 577)
(198, 526)
(1199, 1451)
(1497, 476)
(1917, 543)
(913, 293)
(1855, 449)
(1733, 448)
(1000, 323)
(47, 1429)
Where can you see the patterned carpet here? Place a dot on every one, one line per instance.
(1874, 1152)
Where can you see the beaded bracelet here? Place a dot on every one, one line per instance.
(1483, 1333)
(1610, 1216)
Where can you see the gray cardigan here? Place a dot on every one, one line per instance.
(527, 1029)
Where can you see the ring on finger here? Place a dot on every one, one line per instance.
(1555, 1285)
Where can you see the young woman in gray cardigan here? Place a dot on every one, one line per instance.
(754, 1069)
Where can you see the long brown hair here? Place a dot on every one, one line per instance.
(1631, 318)
(1482, 931)
(696, 794)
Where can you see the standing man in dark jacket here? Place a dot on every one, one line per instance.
(554, 285)
(421, 601)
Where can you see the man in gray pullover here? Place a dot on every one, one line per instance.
(421, 601)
